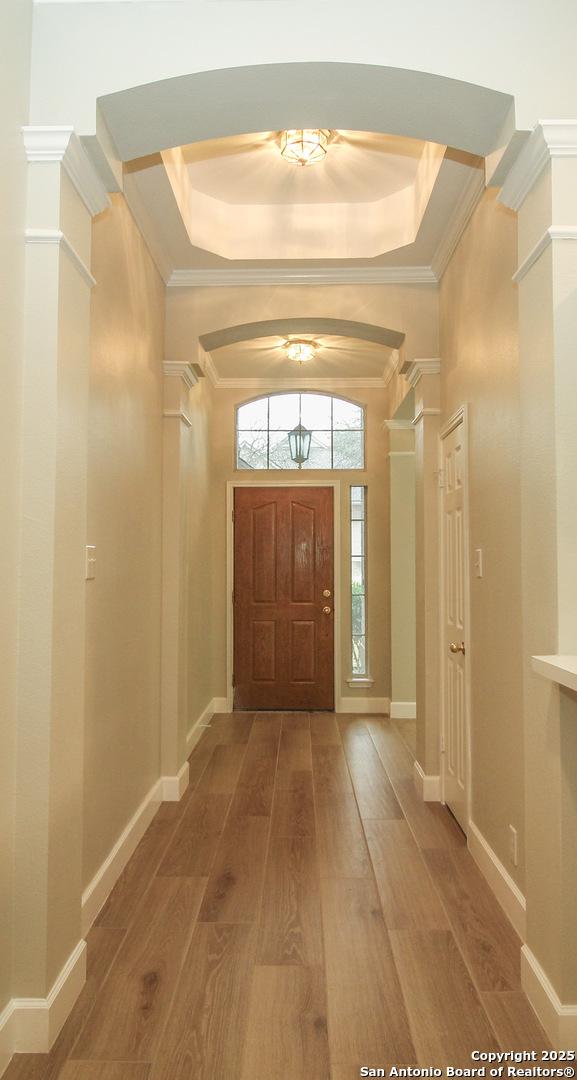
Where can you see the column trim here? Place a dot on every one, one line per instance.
(413, 370)
(177, 414)
(554, 232)
(425, 412)
(549, 139)
(45, 145)
(56, 236)
(181, 370)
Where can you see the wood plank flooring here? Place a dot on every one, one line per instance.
(298, 914)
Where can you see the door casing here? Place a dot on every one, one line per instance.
(459, 417)
(230, 488)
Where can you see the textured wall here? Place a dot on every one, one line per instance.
(15, 27)
(480, 365)
(124, 522)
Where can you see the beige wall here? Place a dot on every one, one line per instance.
(402, 517)
(374, 476)
(203, 570)
(15, 31)
(411, 309)
(124, 522)
(480, 366)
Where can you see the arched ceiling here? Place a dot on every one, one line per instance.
(273, 97)
(339, 358)
(391, 193)
(299, 327)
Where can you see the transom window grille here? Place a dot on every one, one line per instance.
(337, 430)
(359, 580)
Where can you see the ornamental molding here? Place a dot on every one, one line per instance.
(57, 237)
(177, 414)
(549, 139)
(422, 413)
(398, 425)
(470, 196)
(343, 275)
(554, 232)
(48, 145)
(413, 370)
(181, 370)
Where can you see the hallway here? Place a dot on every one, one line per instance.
(375, 940)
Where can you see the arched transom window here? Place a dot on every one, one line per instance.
(300, 431)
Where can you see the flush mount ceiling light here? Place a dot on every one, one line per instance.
(300, 351)
(304, 146)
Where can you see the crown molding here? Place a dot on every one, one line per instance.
(298, 384)
(554, 232)
(549, 139)
(392, 367)
(181, 370)
(45, 145)
(56, 236)
(414, 369)
(455, 227)
(354, 275)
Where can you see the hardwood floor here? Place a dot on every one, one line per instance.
(298, 914)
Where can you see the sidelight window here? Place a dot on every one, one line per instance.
(359, 580)
(269, 428)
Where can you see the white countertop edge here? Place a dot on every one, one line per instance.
(559, 669)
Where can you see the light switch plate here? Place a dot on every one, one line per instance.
(90, 568)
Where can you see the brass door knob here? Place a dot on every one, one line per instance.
(457, 646)
(326, 610)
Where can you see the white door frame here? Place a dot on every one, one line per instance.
(230, 487)
(459, 417)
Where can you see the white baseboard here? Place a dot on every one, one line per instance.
(502, 885)
(108, 873)
(215, 705)
(559, 1021)
(174, 787)
(363, 705)
(6, 1036)
(197, 728)
(403, 710)
(428, 787)
(31, 1025)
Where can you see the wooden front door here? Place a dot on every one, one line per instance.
(283, 598)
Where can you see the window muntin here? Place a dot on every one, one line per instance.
(336, 425)
(358, 523)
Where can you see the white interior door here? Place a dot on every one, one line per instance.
(454, 641)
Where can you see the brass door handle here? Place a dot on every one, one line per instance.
(326, 610)
(457, 646)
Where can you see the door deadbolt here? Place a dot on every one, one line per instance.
(326, 592)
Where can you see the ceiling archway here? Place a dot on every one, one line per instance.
(345, 328)
(266, 97)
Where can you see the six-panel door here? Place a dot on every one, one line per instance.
(283, 598)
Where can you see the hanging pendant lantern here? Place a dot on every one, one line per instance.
(299, 444)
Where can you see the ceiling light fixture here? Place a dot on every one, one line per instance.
(300, 351)
(304, 146)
